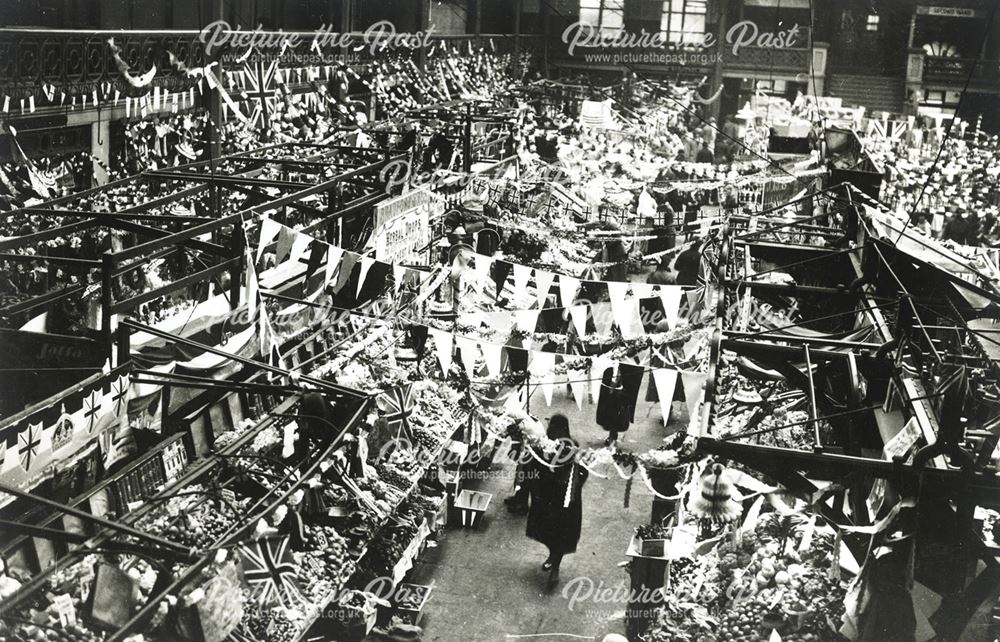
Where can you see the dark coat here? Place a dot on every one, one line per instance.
(613, 412)
(688, 265)
(550, 521)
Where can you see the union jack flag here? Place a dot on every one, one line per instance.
(120, 393)
(396, 406)
(91, 409)
(28, 443)
(271, 571)
(262, 90)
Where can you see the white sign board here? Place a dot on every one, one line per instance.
(403, 227)
(904, 440)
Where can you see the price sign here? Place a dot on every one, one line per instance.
(65, 609)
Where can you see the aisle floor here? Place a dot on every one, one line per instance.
(488, 582)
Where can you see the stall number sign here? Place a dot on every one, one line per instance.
(402, 226)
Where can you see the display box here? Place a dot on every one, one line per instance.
(652, 547)
(410, 600)
(471, 505)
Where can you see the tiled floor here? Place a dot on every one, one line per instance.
(488, 582)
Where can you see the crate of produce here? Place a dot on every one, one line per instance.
(410, 600)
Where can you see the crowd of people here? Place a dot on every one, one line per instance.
(945, 185)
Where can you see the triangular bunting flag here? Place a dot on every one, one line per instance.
(333, 257)
(482, 267)
(597, 367)
(366, 264)
(617, 292)
(501, 270)
(502, 322)
(526, 320)
(568, 287)
(578, 314)
(493, 355)
(522, 273)
(543, 283)
(442, 345)
(693, 297)
(268, 230)
(643, 290)
(347, 263)
(670, 296)
(286, 237)
(469, 349)
(694, 391)
(300, 244)
(603, 318)
(626, 315)
(665, 381)
(398, 276)
(541, 367)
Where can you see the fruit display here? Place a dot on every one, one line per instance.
(425, 437)
(392, 475)
(47, 631)
(781, 574)
(762, 407)
(58, 612)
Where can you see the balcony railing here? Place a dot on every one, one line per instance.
(956, 71)
(784, 60)
(77, 62)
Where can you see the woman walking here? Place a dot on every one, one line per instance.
(555, 484)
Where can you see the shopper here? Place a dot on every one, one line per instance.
(704, 154)
(612, 411)
(555, 482)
